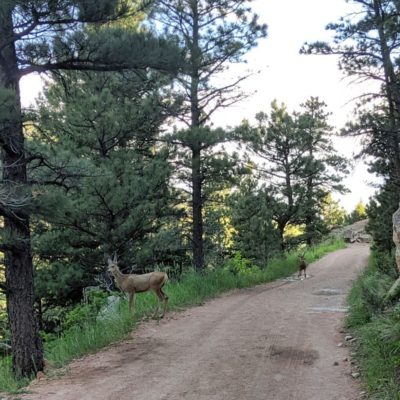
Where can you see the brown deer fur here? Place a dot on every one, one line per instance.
(132, 284)
(302, 267)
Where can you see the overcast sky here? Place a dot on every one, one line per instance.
(289, 77)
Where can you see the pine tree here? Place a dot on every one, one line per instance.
(325, 169)
(99, 133)
(368, 46)
(380, 211)
(333, 214)
(368, 49)
(251, 212)
(281, 151)
(299, 165)
(38, 36)
(213, 34)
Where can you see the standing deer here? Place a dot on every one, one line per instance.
(132, 284)
(302, 267)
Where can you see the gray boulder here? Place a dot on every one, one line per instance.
(394, 291)
(110, 310)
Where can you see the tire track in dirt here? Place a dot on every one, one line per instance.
(273, 342)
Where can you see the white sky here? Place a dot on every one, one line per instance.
(289, 77)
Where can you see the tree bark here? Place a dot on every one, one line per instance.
(26, 345)
(197, 203)
(197, 179)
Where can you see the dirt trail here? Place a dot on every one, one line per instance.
(273, 342)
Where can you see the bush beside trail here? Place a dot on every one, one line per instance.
(376, 323)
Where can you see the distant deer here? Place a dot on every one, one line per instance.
(302, 267)
(132, 284)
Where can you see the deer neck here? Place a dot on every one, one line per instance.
(119, 276)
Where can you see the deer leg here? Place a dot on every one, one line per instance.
(162, 297)
(165, 301)
(132, 302)
(158, 301)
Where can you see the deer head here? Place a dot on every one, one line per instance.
(112, 263)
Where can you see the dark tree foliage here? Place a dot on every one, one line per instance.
(255, 236)
(299, 165)
(108, 189)
(281, 151)
(325, 169)
(380, 211)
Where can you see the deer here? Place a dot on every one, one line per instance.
(132, 283)
(302, 267)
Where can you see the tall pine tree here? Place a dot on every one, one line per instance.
(213, 34)
(108, 189)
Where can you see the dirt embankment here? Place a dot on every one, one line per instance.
(273, 342)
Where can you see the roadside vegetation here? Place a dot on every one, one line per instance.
(87, 329)
(376, 324)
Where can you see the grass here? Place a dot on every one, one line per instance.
(7, 381)
(193, 289)
(377, 325)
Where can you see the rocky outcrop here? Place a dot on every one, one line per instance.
(355, 233)
(395, 289)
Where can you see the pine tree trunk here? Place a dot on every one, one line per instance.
(281, 231)
(25, 340)
(197, 180)
(197, 201)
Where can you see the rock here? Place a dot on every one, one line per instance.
(355, 375)
(40, 376)
(345, 359)
(110, 310)
(350, 235)
(335, 363)
(353, 340)
(5, 349)
(340, 345)
(364, 238)
(348, 337)
(394, 291)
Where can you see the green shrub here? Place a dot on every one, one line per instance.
(81, 314)
(241, 266)
(377, 325)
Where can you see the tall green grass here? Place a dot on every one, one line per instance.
(377, 325)
(193, 289)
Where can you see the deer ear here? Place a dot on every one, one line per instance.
(115, 257)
